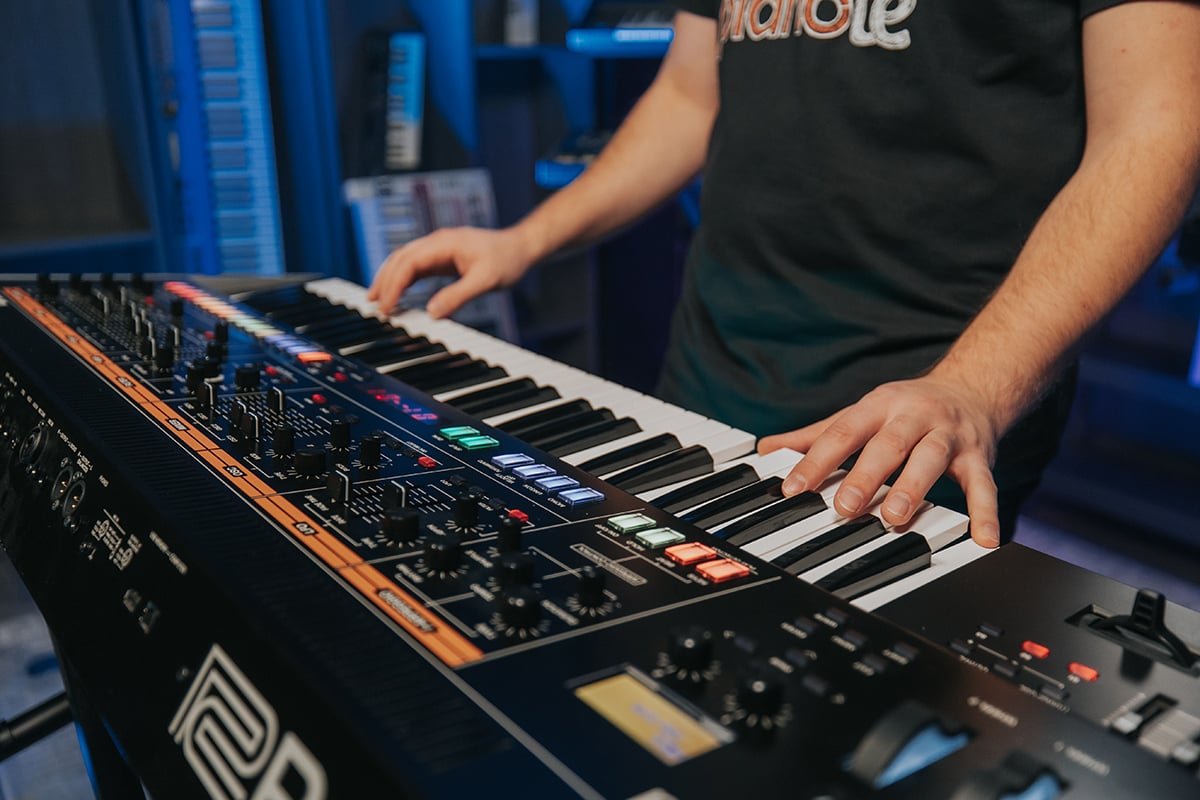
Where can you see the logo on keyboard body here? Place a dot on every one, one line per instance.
(230, 736)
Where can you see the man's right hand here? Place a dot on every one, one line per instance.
(482, 260)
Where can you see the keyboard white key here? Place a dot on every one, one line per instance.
(728, 446)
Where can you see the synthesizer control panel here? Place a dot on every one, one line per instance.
(280, 573)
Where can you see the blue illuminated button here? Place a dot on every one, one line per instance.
(478, 442)
(458, 432)
(555, 483)
(510, 460)
(531, 471)
(581, 496)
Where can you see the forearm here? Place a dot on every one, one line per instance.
(660, 146)
(1139, 170)
(1091, 245)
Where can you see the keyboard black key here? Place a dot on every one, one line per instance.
(590, 436)
(632, 454)
(514, 401)
(414, 372)
(398, 350)
(906, 554)
(471, 374)
(482, 396)
(519, 425)
(308, 313)
(664, 470)
(551, 430)
(705, 489)
(831, 544)
(773, 518)
(735, 504)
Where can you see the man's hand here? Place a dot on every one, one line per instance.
(930, 426)
(482, 259)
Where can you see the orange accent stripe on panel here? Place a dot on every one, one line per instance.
(445, 643)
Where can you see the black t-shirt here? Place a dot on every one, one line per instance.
(875, 167)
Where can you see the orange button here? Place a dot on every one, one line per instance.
(1034, 649)
(1083, 671)
(314, 357)
(690, 553)
(724, 569)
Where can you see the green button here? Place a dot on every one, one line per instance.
(458, 432)
(659, 537)
(631, 523)
(478, 442)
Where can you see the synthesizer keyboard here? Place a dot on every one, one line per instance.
(280, 568)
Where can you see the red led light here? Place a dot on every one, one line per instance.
(320, 399)
(518, 515)
(427, 462)
(1083, 671)
(1034, 649)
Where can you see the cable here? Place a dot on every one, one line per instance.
(34, 725)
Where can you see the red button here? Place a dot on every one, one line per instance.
(724, 569)
(427, 462)
(340, 377)
(1083, 671)
(519, 515)
(1034, 649)
(320, 399)
(690, 553)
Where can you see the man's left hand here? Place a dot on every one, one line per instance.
(925, 425)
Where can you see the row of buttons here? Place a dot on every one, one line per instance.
(303, 351)
(705, 559)
(564, 487)
(469, 437)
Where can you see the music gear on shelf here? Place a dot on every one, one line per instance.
(624, 29)
(386, 131)
(213, 77)
(291, 550)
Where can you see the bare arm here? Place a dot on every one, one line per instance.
(659, 147)
(1140, 166)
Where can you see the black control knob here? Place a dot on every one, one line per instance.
(400, 526)
(210, 368)
(466, 510)
(508, 539)
(520, 608)
(283, 440)
(215, 351)
(309, 462)
(145, 347)
(76, 282)
(370, 451)
(760, 693)
(514, 569)
(590, 588)
(395, 495)
(691, 650)
(236, 412)
(276, 399)
(221, 332)
(107, 284)
(251, 426)
(164, 356)
(176, 307)
(339, 433)
(443, 554)
(195, 376)
(246, 377)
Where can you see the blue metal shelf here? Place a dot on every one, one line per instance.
(620, 42)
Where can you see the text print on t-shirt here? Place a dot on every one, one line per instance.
(868, 22)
